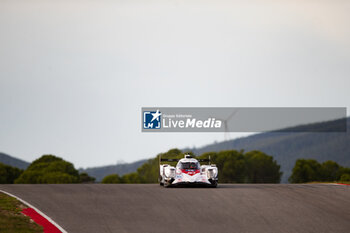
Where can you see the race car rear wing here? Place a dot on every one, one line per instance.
(169, 160)
(176, 160)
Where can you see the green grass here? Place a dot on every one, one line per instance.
(11, 218)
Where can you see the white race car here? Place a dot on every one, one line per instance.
(188, 171)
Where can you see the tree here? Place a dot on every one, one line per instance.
(239, 167)
(49, 169)
(111, 179)
(343, 172)
(345, 177)
(261, 168)
(56, 178)
(305, 170)
(85, 178)
(8, 174)
(131, 178)
(231, 165)
(234, 166)
(329, 171)
(310, 170)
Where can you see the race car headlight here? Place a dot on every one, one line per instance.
(170, 173)
(210, 173)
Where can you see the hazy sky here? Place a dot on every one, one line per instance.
(75, 74)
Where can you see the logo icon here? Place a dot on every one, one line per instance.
(152, 120)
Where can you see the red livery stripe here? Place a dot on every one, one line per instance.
(190, 172)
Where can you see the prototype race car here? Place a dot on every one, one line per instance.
(188, 171)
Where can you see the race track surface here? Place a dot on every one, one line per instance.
(100, 208)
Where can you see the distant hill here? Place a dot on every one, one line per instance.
(287, 147)
(100, 172)
(12, 161)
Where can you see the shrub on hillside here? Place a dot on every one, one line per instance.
(309, 170)
(85, 178)
(49, 169)
(345, 177)
(234, 166)
(8, 174)
(111, 179)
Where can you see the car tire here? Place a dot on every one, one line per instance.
(214, 183)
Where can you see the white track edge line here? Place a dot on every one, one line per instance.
(37, 210)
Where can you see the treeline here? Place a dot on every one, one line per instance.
(9, 174)
(234, 167)
(147, 173)
(48, 169)
(310, 170)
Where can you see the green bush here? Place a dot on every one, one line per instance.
(234, 166)
(131, 178)
(85, 178)
(310, 170)
(8, 174)
(57, 178)
(29, 177)
(345, 177)
(305, 170)
(111, 179)
(330, 171)
(261, 168)
(49, 169)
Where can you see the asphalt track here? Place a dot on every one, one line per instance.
(100, 208)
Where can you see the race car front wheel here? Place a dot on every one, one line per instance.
(168, 183)
(214, 183)
(160, 178)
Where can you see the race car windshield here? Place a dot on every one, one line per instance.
(189, 165)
